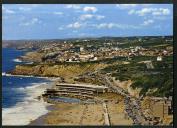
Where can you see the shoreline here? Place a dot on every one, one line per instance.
(28, 107)
(41, 119)
(31, 108)
(84, 114)
(49, 78)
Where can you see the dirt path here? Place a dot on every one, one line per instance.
(106, 115)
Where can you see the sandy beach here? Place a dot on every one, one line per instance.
(85, 114)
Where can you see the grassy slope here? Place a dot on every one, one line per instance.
(161, 77)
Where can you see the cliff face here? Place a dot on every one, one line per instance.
(55, 70)
(32, 56)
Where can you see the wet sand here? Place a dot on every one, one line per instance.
(40, 120)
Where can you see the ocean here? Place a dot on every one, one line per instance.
(19, 105)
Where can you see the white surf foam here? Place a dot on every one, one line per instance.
(20, 61)
(17, 60)
(6, 74)
(49, 78)
(34, 85)
(29, 62)
(24, 112)
(3, 73)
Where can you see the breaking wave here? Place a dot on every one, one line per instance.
(30, 109)
(17, 60)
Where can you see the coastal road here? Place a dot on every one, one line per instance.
(132, 105)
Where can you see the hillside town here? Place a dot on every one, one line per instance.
(93, 50)
(139, 69)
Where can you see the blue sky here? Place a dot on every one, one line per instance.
(51, 21)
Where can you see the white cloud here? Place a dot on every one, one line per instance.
(89, 9)
(75, 25)
(126, 6)
(24, 9)
(115, 25)
(58, 13)
(99, 17)
(78, 25)
(31, 22)
(152, 11)
(141, 12)
(60, 28)
(86, 16)
(145, 11)
(90, 16)
(73, 6)
(8, 11)
(132, 11)
(162, 11)
(148, 22)
(106, 25)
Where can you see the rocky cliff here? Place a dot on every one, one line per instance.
(55, 70)
(32, 56)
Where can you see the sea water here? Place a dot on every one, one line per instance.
(19, 103)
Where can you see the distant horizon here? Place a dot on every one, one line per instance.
(88, 37)
(62, 21)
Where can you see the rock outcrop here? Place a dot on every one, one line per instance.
(32, 56)
(55, 70)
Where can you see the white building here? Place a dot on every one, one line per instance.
(137, 48)
(70, 60)
(95, 58)
(81, 49)
(165, 52)
(159, 58)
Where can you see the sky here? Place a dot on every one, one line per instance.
(58, 21)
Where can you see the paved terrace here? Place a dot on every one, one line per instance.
(82, 85)
(77, 90)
